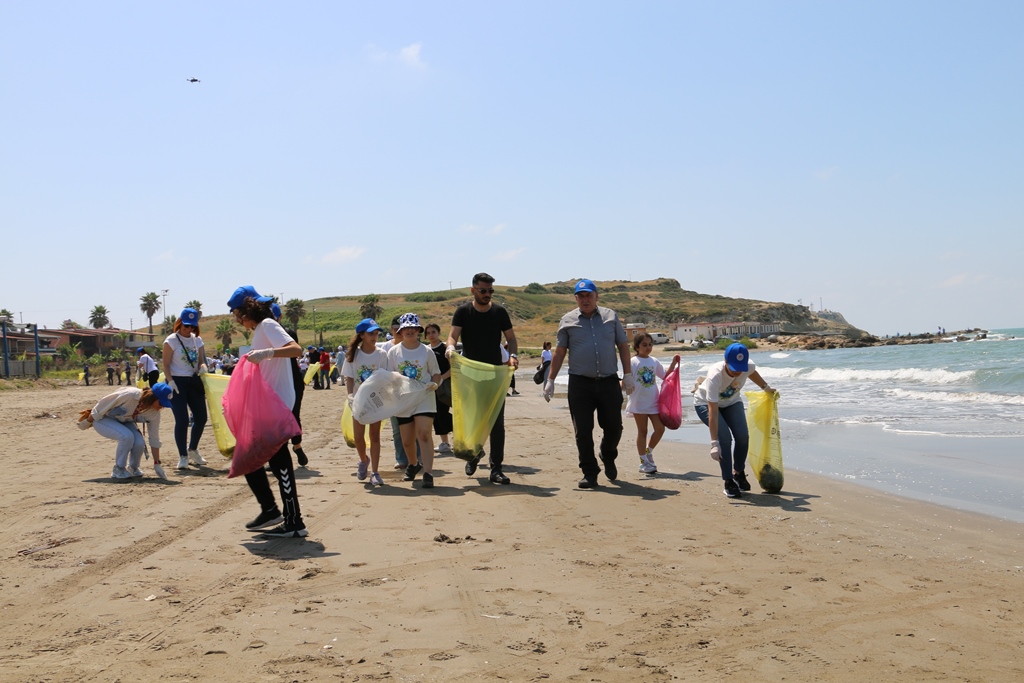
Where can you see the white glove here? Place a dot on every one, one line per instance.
(351, 400)
(259, 355)
(549, 389)
(768, 390)
(202, 369)
(628, 383)
(431, 386)
(449, 351)
(172, 385)
(716, 453)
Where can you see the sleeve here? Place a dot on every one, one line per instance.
(459, 317)
(199, 343)
(348, 369)
(154, 429)
(505, 320)
(659, 370)
(713, 387)
(106, 403)
(562, 336)
(392, 362)
(620, 331)
(432, 367)
(276, 335)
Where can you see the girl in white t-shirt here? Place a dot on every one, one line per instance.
(417, 362)
(363, 358)
(643, 402)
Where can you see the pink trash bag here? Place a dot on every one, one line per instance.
(258, 418)
(670, 401)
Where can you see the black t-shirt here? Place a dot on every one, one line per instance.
(481, 332)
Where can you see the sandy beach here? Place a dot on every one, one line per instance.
(651, 579)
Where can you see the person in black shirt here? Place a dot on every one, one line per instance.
(481, 324)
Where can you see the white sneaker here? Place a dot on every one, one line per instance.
(135, 471)
(120, 473)
(650, 461)
(196, 458)
(183, 462)
(647, 464)
(445, 449)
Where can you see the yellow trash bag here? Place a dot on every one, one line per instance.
(313, 369)
(348, 427)
(765, 450)
(123, 377)
(478, 394)
(141, 382)
(81, 376)
(215, 386)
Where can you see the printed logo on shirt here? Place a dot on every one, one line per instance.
(410, 369)
(364, 372)
(646, 377)
(190, 356)
(729, 391)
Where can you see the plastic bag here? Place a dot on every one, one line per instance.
(215, 386)
(310, 373)
(765, 450)
(258, 418)
(384, 394)
(542, 373)
(670, 401)
(478, 394)
(348, 427)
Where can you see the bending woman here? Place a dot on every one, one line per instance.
(184, 360)
(116, 417)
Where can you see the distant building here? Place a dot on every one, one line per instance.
(99, 341)
(634, 329)
(687, 332)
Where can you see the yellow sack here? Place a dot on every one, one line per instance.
(348, 427)
(765, 450)
(215, 386)
(313, 369)
(81, 376)
(141, 382)
(478, 394)
(123, 377)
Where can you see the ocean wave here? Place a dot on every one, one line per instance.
(780, 355)
(958, 397)
(933, 376)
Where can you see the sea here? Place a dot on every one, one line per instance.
(940, 422)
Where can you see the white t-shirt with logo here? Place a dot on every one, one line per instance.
(362, 365)
(276, 371)
(646, 373)
(718, 387)
(419, 364)
(183, 350)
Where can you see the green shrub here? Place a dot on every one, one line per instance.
(535, 288)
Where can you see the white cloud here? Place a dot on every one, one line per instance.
(955, 281)
(343, 254)
(510, 255)
(827, 173)
(410, 56)
(498, 229)
(469, 228)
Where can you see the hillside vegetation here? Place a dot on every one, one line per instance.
(536, 309)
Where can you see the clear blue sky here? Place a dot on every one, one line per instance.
(867, 155)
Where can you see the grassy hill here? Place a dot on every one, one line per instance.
(536, 309)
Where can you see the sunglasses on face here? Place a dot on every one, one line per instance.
(484, 290)
(187, 325)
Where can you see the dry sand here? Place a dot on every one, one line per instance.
(645, 579)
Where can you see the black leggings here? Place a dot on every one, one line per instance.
(281, 464)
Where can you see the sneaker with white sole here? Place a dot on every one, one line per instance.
(284, 532)
(650, 461)
(647, 465)
(732, 489)
(265, 519)
(361, 470)
(120, 473)
(195, 458)
(135, 471)
(183, 462)
(444, 449)
(375, 480)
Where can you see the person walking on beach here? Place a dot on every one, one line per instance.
(116, 416)
(110, 373)
(298, 377)
(85, 373)
(412, 359)
(184, 360)
(325, 368)
(401, 458)
(443, 419)
(480, 324)
(271, 348)
(718, 402)
(643, 402)
(362, 358)
(147, 367)
(127, 373)
(592, 335)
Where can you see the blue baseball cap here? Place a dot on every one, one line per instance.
(163, 393)
(737, 357)
(189, 316)
(585, 286)
(140, 350)
(243, 293)
(311, 348)
(367, 325)
(320, 349)
(275, 311)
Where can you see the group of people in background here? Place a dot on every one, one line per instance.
(591, 341)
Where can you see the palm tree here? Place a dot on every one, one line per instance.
(370, 306)
(169, 323)
(196, 304)
(150, 304)
(4, 311)
(246, 335)
(293, 310)
(225, 329)
(99, 317)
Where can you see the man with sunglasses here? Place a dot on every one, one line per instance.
(592, 336)
(481, 324)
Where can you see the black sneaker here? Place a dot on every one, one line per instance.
(497, 477)
(471, 466)
(586, 483)
(741, 479)
(428, 480)
(411, 471)
(300, 455)
(732, 489)
(264, 520)
(284, 532)
(610, 470)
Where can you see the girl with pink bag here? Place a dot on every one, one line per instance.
(643, 402)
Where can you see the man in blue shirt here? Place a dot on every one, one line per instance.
(595, 340)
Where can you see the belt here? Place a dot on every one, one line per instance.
(594, 379)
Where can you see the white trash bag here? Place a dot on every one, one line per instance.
(385, 394)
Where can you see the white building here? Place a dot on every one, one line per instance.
(687, 332)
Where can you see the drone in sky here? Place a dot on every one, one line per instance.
(192, 80)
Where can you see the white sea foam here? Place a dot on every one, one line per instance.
(927, 376)
(958, 397)
(780, 355)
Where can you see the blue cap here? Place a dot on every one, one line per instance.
(275, 311)
(409, 320)
(163, 393)
(320, 349)
(585, 286)
(243, 293)
(737, 357)
(140, 350)
(311, 348)
(367, 325)
(189, 316)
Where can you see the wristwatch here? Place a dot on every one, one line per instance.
(513, 355)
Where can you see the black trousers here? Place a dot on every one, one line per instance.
(498, 440)
(300, 387)
(587, 395)
(153, 376)
(259, 483)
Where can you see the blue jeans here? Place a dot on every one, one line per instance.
(732, 425)
(130, 444)
(190, 397)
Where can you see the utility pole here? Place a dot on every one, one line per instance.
(164, 292)
(314, 323)
(449, 284)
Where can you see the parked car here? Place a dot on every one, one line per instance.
(659, 337)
